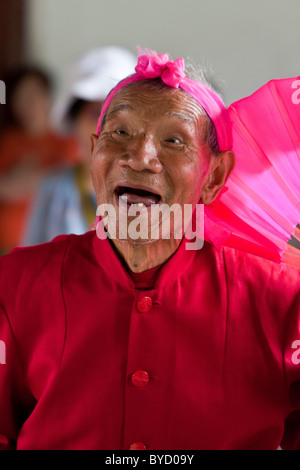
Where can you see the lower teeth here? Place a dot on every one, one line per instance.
(136, 204)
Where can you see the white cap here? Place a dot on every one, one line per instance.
(100, 70)
(93, 76)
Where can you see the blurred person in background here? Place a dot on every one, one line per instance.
(66, 202)
(29, 148)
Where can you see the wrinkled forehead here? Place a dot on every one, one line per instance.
(156, 100)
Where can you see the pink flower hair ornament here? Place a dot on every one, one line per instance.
(172, 73)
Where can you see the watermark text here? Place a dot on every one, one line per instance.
(296, 94)
(158, 221)
(2, 352)
(2, 92)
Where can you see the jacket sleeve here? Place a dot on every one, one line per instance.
(15, 400)
(291, 437)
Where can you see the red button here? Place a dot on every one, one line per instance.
(137, 446)
(144, 304)
(140, 378)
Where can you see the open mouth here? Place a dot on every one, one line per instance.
(137, 196)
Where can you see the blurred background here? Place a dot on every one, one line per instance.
(43, 45)
(245, 43)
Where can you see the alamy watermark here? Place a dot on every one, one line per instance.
(296, 93)
(296, 354)
(2, 92)
(158, 221)
(2, 352)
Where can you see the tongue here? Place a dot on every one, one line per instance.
(137, 198)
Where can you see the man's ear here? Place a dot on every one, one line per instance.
(222, 166)
(94, 139)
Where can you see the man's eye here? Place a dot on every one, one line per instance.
(120, 132)
(174, 140)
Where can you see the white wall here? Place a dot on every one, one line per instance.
(246, 42)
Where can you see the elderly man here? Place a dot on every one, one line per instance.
(124, 343)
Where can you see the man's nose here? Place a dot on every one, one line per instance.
(142, 153)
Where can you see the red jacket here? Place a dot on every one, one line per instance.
(209, 360)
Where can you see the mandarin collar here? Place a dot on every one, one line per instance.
(112, 263)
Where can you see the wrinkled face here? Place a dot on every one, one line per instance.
(151, 149)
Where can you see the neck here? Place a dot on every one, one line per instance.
(140, 257)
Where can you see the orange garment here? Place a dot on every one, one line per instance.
(46, 151)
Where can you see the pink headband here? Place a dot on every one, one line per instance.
(172, 74)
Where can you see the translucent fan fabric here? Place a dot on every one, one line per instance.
(260, 206)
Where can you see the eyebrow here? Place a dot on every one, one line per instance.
(181, 116)
(120, 107)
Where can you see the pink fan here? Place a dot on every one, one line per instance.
(260, 208)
